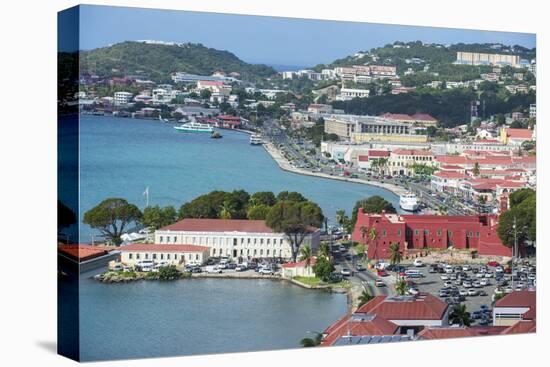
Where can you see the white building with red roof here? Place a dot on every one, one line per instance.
(234, 238)
(516, 136)
(402, 161)
(448, 181)
(514, 307)
(168, 254)
(422, 119)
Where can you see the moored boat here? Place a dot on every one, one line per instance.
(194, 127)
(256, 139)
(409, 202)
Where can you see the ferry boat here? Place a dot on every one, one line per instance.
(409, 202)
(256, 139)
(194, 127)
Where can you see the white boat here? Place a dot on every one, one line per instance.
(194, 127)
(409, 201)
(256, 139)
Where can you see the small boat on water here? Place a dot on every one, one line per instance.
(409, 202)
(194, 127)
(256, 139)
(216, 135)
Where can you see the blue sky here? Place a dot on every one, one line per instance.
(269, 40)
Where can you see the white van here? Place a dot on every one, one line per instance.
(418, 263)
(213, 269)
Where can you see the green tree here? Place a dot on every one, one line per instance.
(373, 205)
(395, 256)
(523, 209)
(263, 198)
(290, 196)
(155, 217)
(460, 316)
(323, 268)
(311, 342)
(258, 212)
(294, 219)
(111, 217)
(401, 287)
(169, 273)
(324, 250)
(306, 255)
(364, 297)
(226, 211)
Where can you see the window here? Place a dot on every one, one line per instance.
(137, 256)
(154, 256)
(167, 256)
(146, 256)
(175, 239)
(130, 256)
(398, 233)
(439, 232)
(160, 239)
(214, 251)
(384, 233)
(450, 234)
(196, 256)
(267, 252)
(426, 232)
(162, 256)
(477, 234)
(470, 234)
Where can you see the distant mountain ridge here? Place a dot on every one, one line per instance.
(158, 61)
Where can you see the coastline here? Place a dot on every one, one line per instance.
(285, 165)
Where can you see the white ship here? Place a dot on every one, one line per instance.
(409, 202)
(256, 139)
(194, 127)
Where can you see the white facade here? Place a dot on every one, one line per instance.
(347, 94)
(122, 98)
(235, 244)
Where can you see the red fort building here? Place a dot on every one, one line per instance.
(417, 232)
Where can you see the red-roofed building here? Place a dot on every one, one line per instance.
(234, 238)
(409, 312)
(447, 181)
(81, 252)
(229, 122)
(429, 231)
(169, 254)
(82, 257)
(454, 331)
(299, 268)
(365, 160)
(358, 324)
(514, 307)
(516, 136)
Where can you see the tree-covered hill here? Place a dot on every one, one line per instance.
(157, 61)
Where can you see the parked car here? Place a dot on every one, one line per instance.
(240, 267)
(493, 263)
(463, 292)
(359, 267)
(418, 263)
(345, 272)
(213, 269)
(472, 292)
(266, 271)
(379, 283)
(466, 267)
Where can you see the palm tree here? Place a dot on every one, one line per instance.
(395, 257)
(475, 170)
(401, 287)
(306, 255)
(459, 315)
(364, 297)
(373, 235)
(340, 216)
(324, 250)
(226, 210)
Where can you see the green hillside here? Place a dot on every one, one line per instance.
(157, 62)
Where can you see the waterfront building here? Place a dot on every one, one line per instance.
(477, 58)
(403, 161)
(417, 232)
(516, 307)
(298, 269)
(234, 238)
(82, 257)
(122, 98)
(365, 161)
(169, 254)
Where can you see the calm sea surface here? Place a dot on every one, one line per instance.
(199, 316)
(121, 157)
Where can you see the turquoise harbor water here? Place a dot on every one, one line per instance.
(121, 157)
(199, 316)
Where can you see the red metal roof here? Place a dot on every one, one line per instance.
(422, 307)
(358, 325)
(379, 153)
(450, 175)
(519, 133)
(400, 151)
(82, 252)
(219, 225)
(158, 247)
(521, 327)
(302, 263)
(518, 299)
